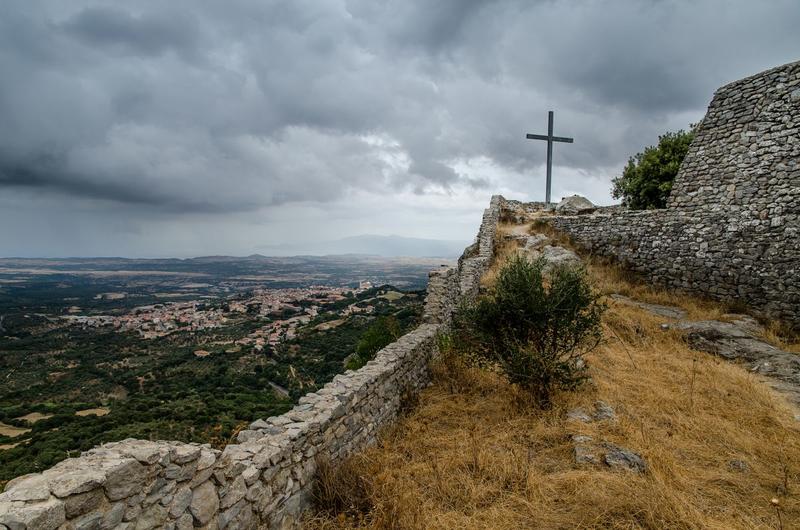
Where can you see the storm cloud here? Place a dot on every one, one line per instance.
(192, 126)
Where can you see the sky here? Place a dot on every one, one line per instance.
(193, 127)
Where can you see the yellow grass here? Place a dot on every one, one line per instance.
(10, 430)
(33, 417)
(469, 456)
(101, 411)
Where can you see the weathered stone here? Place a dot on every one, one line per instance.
(235, 492)
(745, 323)
(184, 522)
(534, 241)
(132, 512)
(735, 343)
(180, 502)
(77, 481)
(205, 503)
(740, 466)
(559, 256)
(81, 503)
(620, 458)
(206, 460)
(113, 516)
(44, 515)
(201, 477)
(153, 517)
(124, 478)
(29, 488)
(575, 205)
(187, 471)
(578, 415)
(603, 411)
(185, 453)
(584, 450)
(144, 451)
(89, 521)
(250, 475)
(255, 491)
(659, 310)
(238, 517)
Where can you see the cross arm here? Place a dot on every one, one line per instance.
(549, 138)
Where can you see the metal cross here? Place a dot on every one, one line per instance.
(550, 139)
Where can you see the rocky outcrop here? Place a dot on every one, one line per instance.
(575, 205)
(264, 480)
(736, 342)
(665, 311)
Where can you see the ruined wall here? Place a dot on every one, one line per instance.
(745, 158)
(266, 479)
(731, 227)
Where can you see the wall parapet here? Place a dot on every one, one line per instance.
(266, 479)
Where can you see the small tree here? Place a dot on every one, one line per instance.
(646, 181)
(382, 332)
(536, 328)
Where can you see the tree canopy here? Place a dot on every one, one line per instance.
(646, 181)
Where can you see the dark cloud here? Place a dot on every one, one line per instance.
(147, 34)
(251, 105)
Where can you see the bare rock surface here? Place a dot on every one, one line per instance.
(584, 450)
(746, 322)
(556, 256)
(553, 255)
(534, 241)
(575, 205)
(602, 411)
(45, 515)
(665, 311)
(738, 343)
(617, 457)
(589, 452)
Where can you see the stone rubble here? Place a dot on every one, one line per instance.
(586, 450)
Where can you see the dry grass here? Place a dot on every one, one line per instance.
(781, 336)
(470, 457)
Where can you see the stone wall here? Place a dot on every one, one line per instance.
(730, 230)
(745, 158)
(265, 480)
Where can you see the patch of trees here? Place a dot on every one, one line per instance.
(646, 181)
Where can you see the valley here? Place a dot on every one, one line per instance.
(101, 350)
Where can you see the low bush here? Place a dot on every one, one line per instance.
(381, 333)
(535, 327)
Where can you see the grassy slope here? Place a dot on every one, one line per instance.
(470, 457)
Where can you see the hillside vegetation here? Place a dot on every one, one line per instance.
(67, 389)
(721, 449)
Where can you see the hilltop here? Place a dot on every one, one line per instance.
(662, 435)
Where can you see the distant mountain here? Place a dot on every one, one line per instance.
(387, 246)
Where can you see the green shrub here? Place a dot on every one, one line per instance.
(535, 328)
(382, 332)
(646, 181)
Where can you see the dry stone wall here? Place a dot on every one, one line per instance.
(265, 480)
(730, 230)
